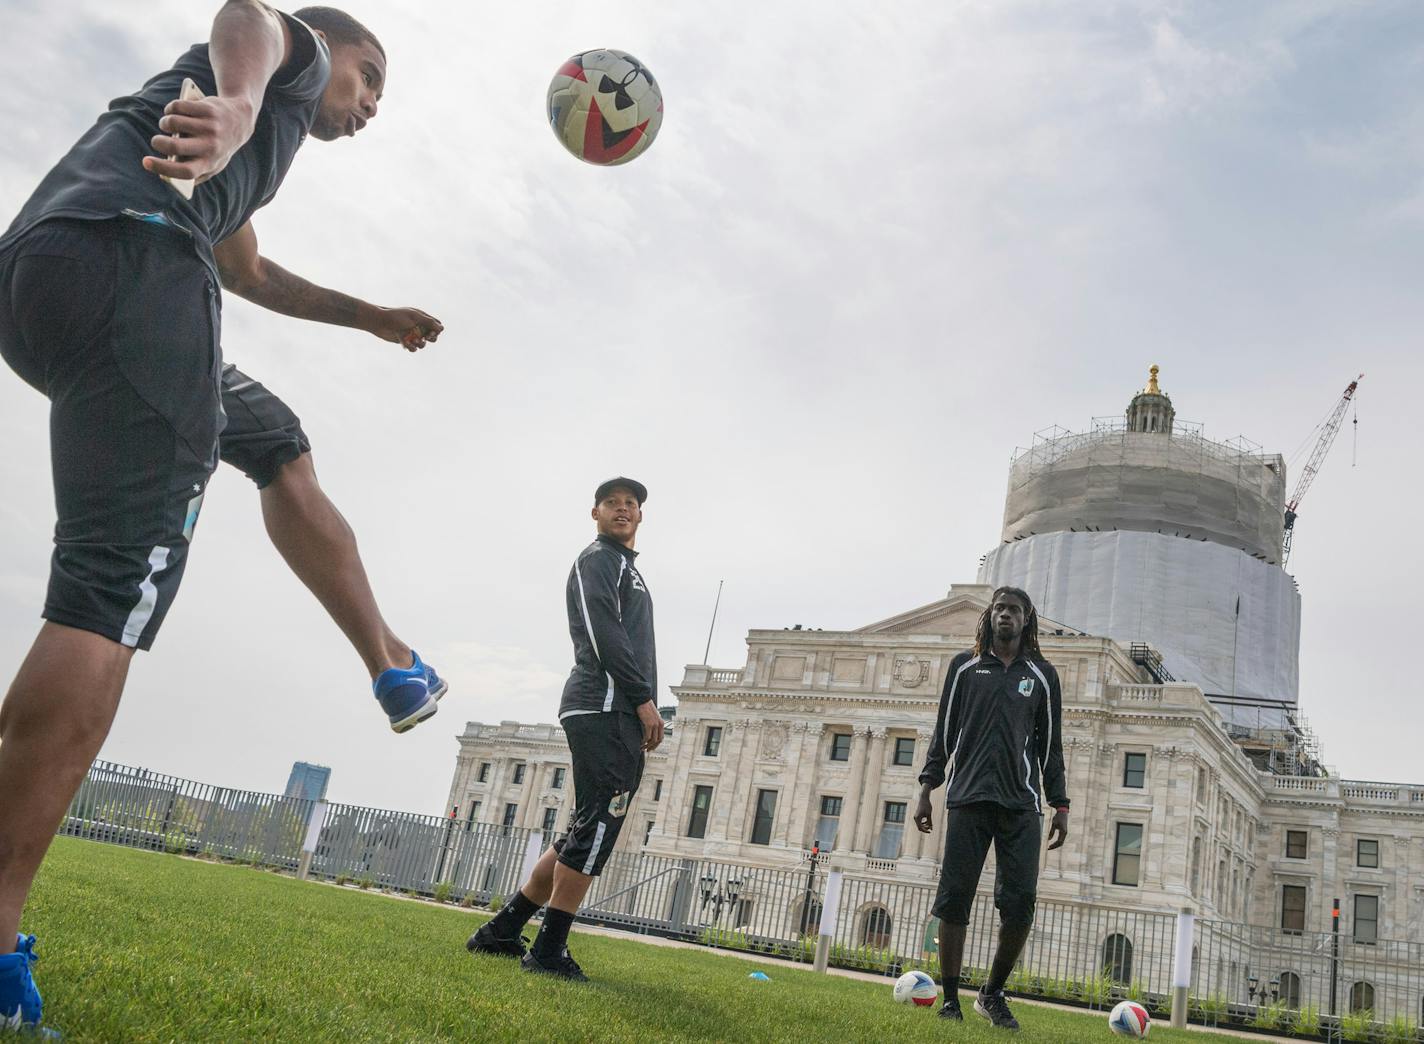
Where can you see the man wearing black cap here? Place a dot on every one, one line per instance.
(610, 717)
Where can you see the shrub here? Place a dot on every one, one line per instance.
(364, 883)
(1212, 1009)
(496, 903)
(1358, 1025)
(342, 879)
(1307, 1021)
(1097, 992)
(1136, 992)
(175, 841)
(1270, 1016)
(1401, 1030)
(467, 900)
(442, 892)
(1057, 989)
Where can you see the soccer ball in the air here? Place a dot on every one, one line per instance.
(605, 107)
(1129, 1019)
(915, 987)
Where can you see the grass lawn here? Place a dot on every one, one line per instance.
(137, 946)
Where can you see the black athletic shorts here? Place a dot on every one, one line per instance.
(117, 323)
(261, 434)
(607, 751)
(1017, 838)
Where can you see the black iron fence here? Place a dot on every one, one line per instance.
(1311, 984)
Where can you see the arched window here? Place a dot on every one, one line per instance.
(1290, 990)
(1362, 997)
(875, 929)
(1117, 959)
(811, 923)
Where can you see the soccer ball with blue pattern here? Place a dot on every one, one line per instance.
(915, 987)
(1129, 1019)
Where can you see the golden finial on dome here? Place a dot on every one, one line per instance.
(1152, 388)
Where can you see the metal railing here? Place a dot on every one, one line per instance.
(1080, 952)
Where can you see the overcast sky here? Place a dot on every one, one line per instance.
(873, 249)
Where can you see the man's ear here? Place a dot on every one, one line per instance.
(593, 513)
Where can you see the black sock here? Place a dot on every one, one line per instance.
(513, 916)
(554, 936)
(951, 989)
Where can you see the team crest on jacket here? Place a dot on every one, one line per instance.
(618, 807)
(1026, 687)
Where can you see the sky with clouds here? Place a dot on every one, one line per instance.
(873, 249)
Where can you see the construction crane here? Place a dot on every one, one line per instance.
(1312, 466)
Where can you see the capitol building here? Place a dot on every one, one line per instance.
(1154, 556)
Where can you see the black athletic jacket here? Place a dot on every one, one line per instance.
(1002, 729)
(611, 623)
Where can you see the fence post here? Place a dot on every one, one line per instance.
(314, 824)
(533, 849)
(830, 909)
(1182, 968)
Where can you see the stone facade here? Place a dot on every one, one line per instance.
(846, 716)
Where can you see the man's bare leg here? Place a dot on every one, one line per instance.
(53, 722)
(320, 547)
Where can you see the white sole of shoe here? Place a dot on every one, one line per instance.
(410, 721)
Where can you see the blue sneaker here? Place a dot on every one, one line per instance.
(409, 695)
(20, 1002)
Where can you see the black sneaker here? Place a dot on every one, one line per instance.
(994, 1008)
(564, 966)
(485, 941)
(951, 1009)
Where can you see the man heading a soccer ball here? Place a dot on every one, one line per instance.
(1000, 725)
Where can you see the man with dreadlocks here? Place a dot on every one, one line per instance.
(1000, 731)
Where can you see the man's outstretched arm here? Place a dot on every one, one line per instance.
(249, 275)
(249, 42)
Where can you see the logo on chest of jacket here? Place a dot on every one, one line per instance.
(637, 580)
(1026, 687)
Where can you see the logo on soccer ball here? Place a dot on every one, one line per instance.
(618, 807)
(605, 107)
(1026, 687)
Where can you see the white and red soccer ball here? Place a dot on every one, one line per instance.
(1129, 1019)
(605, 107)
(915, 987)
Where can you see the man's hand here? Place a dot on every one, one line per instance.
(201, 135)
(923, 821)
(652, 724)
(1058, 831)
(410, 327)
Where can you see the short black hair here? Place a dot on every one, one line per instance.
(339, 27)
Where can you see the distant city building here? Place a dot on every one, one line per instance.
(307, 781)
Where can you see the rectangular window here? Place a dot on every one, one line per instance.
(1367, 854)
(829, 823)
(765, 813)
(1293, 908)
(510, 811)
(840, 746)
(892, 830)
(551, 816)
(657, 790)
(1366, 919)
(1295, 844)
(474, 812)
(701, 805)
(484, 771)
(648, 833)
(557, 782)
(1127, 855)
(519, 774)
(904, 750)
(1134, 770)
(713, 743)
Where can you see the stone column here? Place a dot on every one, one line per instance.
(850, 810)
(678, 788)
(870, 785)
(800, 792)
(531, 818)
(727, 798)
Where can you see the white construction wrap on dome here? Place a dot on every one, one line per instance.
(1217, 616)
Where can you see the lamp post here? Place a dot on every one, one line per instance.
(810, 889)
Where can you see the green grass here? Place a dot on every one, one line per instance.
(150, 947)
